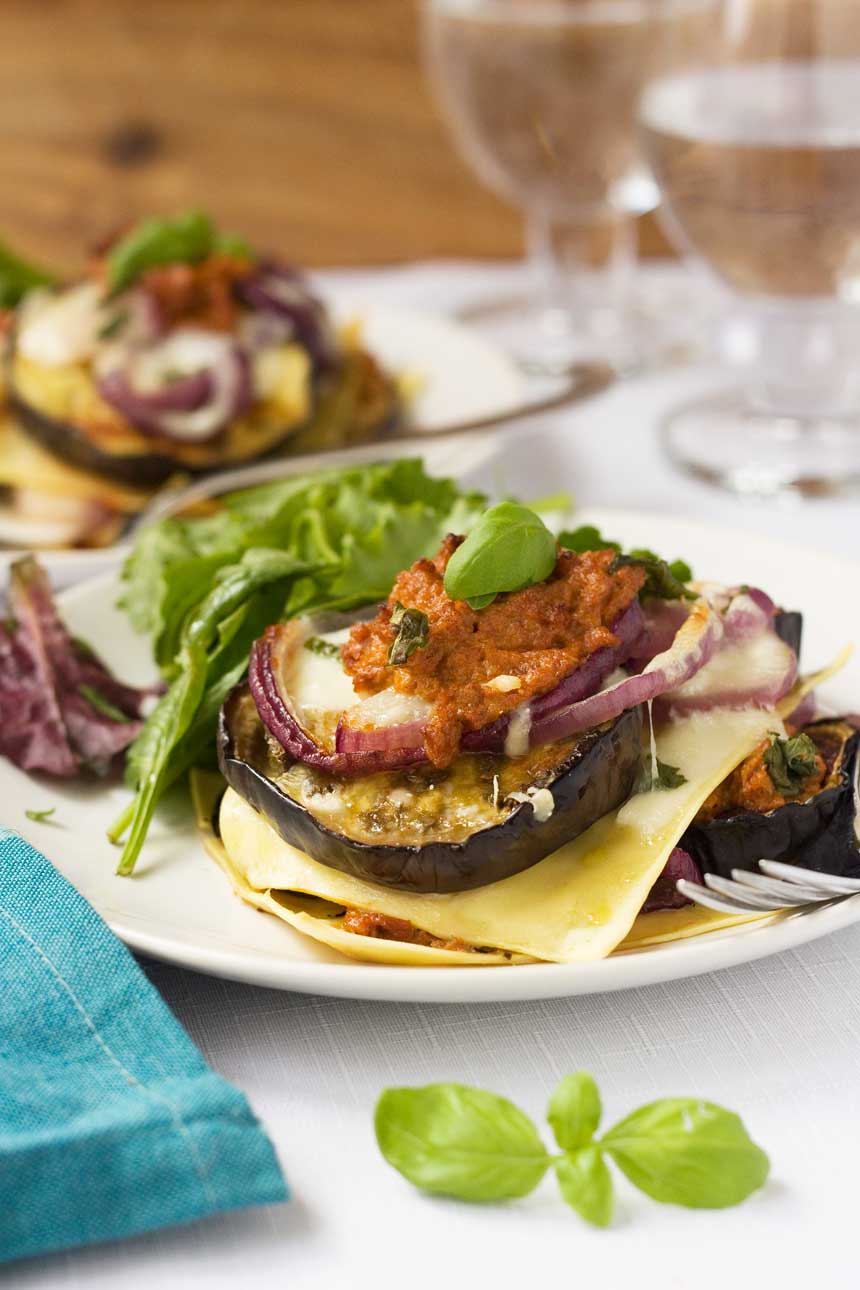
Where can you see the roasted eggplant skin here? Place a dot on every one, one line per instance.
(818, 834)
(788, 625)
(596, 778)
(156, 461)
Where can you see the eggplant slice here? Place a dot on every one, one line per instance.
(475, 833)
(355, 404)
(819, 833)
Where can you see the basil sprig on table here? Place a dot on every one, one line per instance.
(508, 548)
(182, 239)
(664, 580)
(477, 1146)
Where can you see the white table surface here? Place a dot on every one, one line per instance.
(778, 1041)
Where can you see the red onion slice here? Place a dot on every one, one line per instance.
(282, 291)
(271, 659)
(691, 649)
(213, 385)
(746, 673)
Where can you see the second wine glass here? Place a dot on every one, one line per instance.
(541, 97)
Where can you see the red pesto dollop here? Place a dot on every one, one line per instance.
(535, 636)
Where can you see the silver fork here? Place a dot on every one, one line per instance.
(778, 886)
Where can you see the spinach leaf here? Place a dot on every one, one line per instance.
(509, 548)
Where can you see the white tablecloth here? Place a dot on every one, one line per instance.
(778, 1041)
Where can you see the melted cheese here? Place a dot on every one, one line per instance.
(577, 904)
(23, 464)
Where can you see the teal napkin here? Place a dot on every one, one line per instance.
(110, 1120)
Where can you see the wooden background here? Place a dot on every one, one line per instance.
(305, 124)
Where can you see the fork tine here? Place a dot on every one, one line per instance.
(830, 882)
(786, 893)
(710, 899)
(743, 895)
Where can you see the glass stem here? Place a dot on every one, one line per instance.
(582, 272)
(800, 357)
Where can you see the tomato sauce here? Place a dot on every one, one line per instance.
(479, 665)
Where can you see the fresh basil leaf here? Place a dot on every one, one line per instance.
(663, 581)
(666, 777)
(460, 1141)
(40, 817)
(586, 538)
(182, 239)
(17, 277)
(481, 602)
(326, 649)
(574, 1111)
(790, 761)
(586, 1184)
(686, 1152)
(234, 244)
(102, 705)
(413, 632)
(507, 549)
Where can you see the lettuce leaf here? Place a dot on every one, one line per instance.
(204, 589)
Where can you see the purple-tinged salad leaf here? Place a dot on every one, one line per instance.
(664, 894)
(61, 710)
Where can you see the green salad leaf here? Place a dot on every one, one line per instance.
(18, 276)
(476, 1146)
(509, 548)
(664, 581)
(179, 239)
(204, 589)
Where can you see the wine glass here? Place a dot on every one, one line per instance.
(541, 98)
(755, 146)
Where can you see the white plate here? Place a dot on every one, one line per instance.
(460, 377)
(179, 907)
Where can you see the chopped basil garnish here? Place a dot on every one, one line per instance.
(40, 817)
(509, 548)
(103, 706)
(664, 580)
(114, 325)
(789, 762)
(666, 777)
(413, 632)
(327, 649)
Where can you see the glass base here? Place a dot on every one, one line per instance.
(664, 321)
(723, 441)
